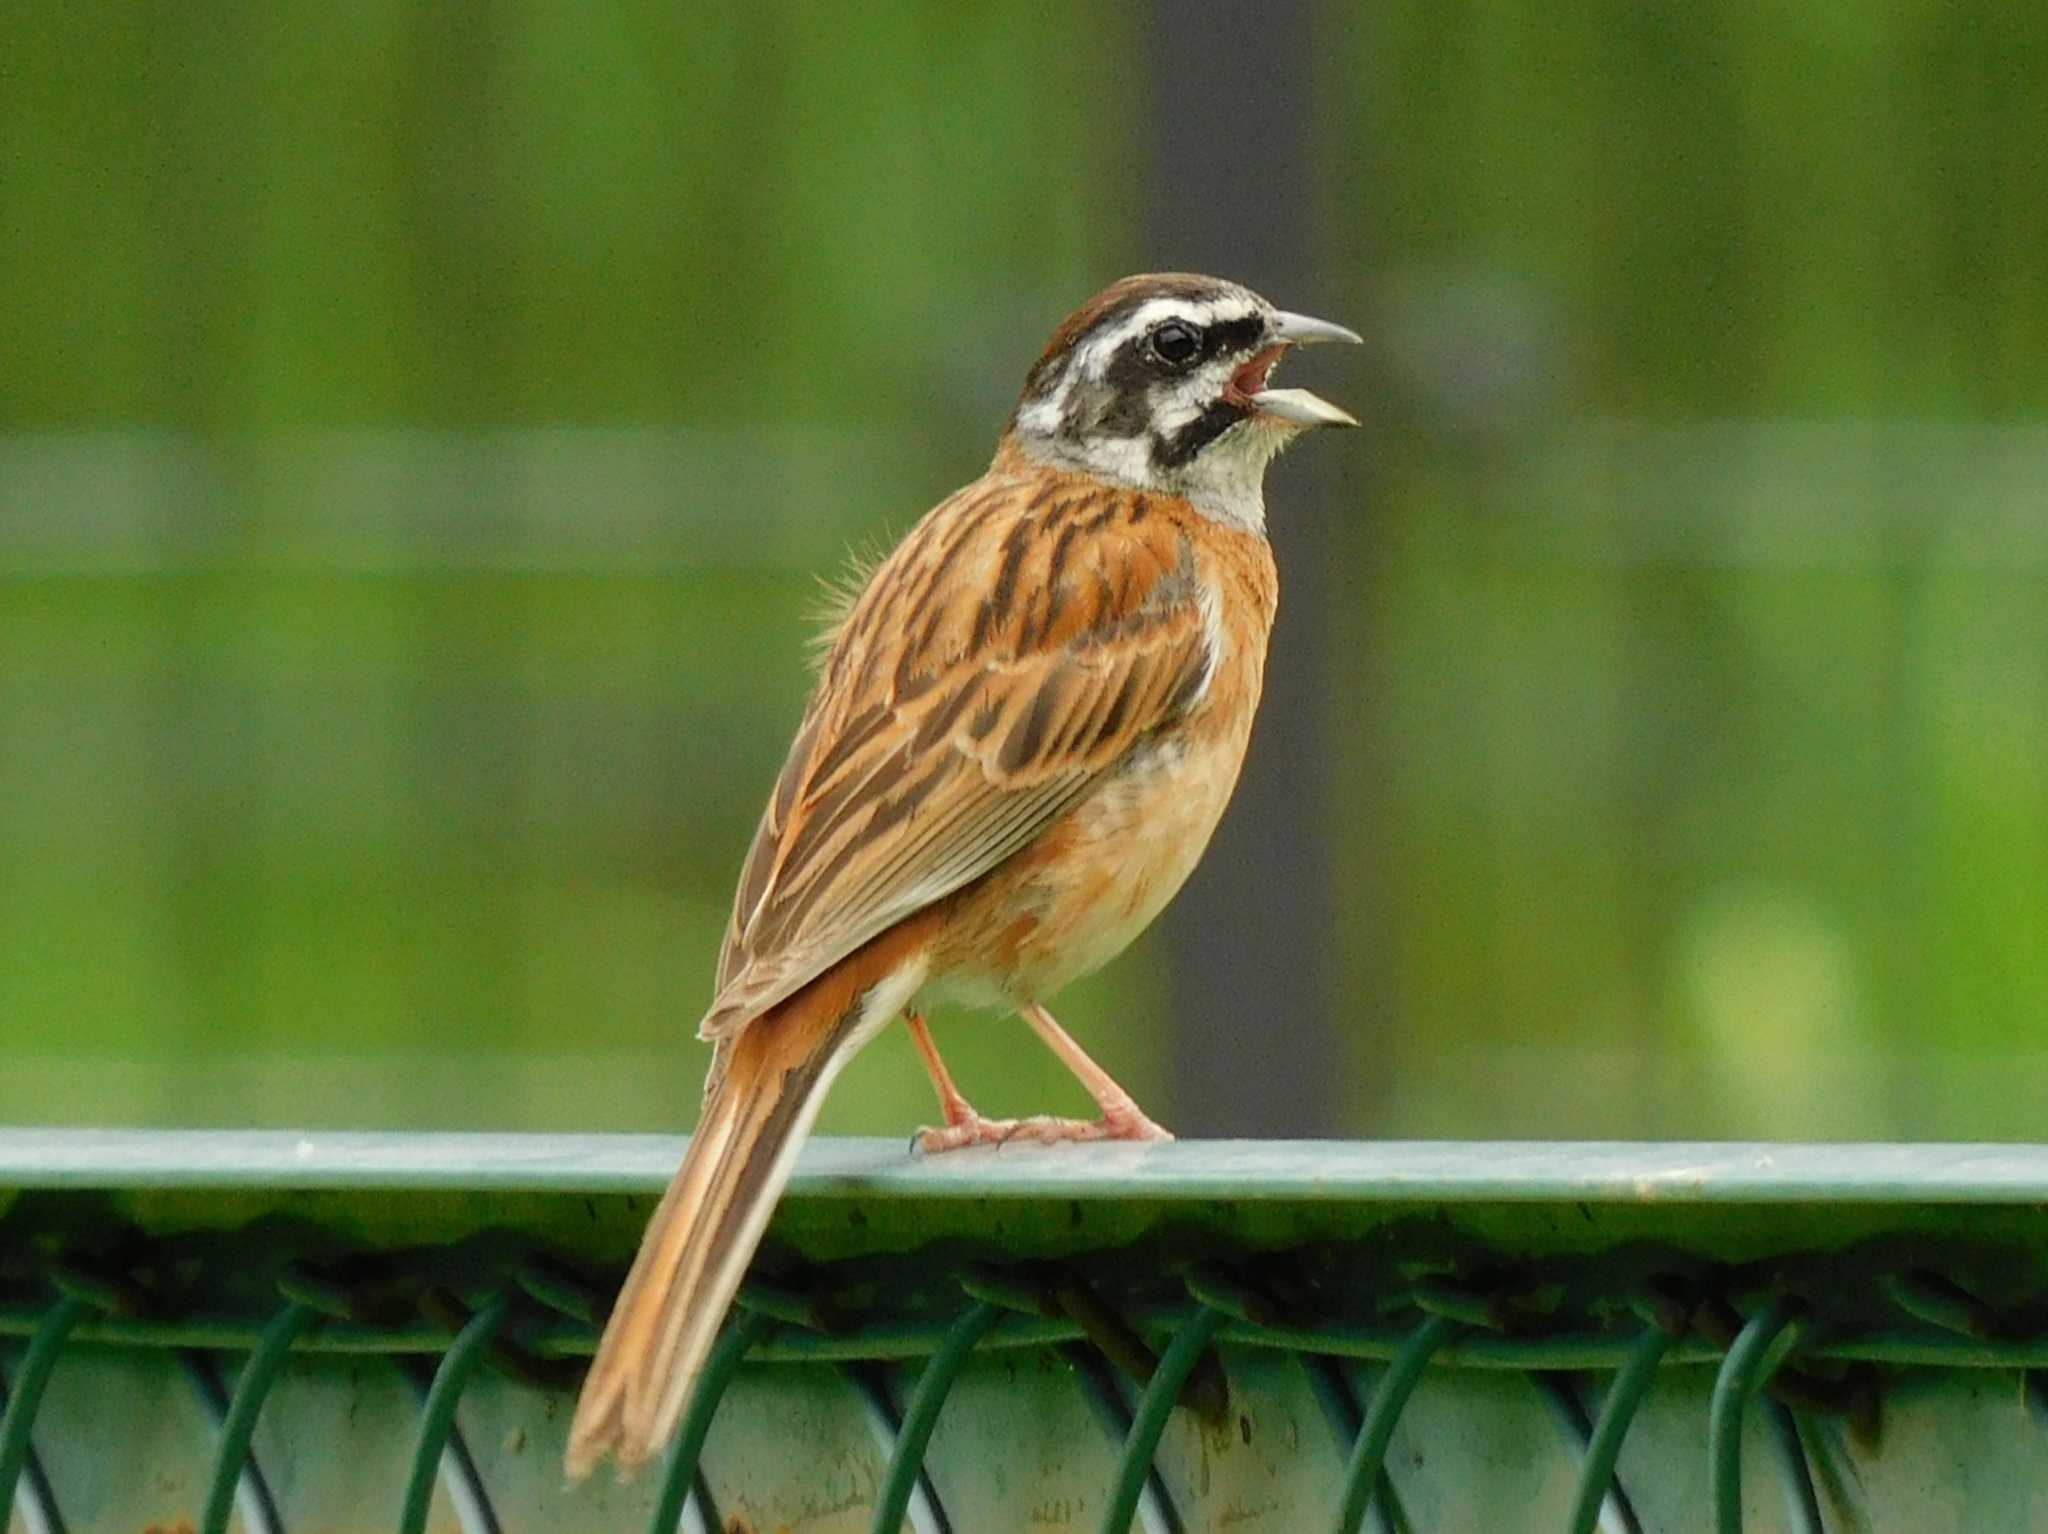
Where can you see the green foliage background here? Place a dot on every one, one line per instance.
(421, 429)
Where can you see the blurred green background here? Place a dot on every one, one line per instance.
(422, 429)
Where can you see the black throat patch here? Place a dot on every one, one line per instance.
(1173, 452)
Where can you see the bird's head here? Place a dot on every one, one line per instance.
(1162, 382)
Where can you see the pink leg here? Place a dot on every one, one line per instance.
(964, 1126)
(1122, 1118)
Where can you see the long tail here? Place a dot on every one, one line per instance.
(769, 1081)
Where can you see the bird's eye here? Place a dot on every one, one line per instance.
(1175, 343)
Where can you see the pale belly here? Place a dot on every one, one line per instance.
(1097, 880)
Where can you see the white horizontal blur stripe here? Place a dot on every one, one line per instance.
(1784, 493)
(1598, 491)
(551, 498)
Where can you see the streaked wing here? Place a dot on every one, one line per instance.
(1024, 637)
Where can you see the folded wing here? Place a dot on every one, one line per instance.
(1023, 639)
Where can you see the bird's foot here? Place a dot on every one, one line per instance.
(968, 1129)
(1039, 1129)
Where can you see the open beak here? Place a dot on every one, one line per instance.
(1298, 407)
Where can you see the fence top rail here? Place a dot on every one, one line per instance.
(1295, 1171)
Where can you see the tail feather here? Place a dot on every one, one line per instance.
(769, 1080)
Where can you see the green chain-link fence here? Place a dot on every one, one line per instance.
(255, 1331)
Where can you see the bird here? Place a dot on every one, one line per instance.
(1026, 723)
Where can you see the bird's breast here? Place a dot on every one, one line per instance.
(1100, 875)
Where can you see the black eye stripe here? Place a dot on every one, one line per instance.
(1234, 335)
(1215, 339)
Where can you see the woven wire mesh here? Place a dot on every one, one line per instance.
(260, 1333)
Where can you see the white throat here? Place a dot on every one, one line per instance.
(1226, 481)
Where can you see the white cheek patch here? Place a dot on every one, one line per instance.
(1184, 404)
(1041, 418)
(1121, 460)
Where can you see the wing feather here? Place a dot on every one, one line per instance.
(1010, 652)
